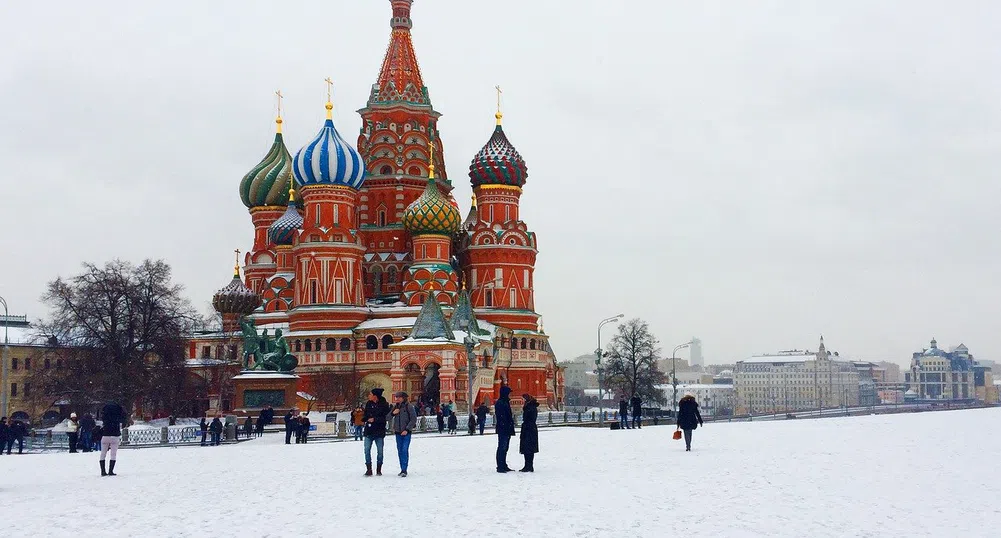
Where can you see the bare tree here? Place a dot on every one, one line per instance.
(632, 362)
(123, 330)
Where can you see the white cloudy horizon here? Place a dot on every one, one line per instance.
(754, 174)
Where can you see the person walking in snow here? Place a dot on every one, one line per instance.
(289, 426)
(304, 428)
(259, 426)
(87, 425)
(96, 437)
(72, 432)
(504, 423)
(529, 441)
(248, 428)
(481, 416)
(623, 413)
(204, 427)
(453, 423)
(216, 429)
(439, 415)
(4, 431)
(357, 422)
(16, 433)
(111, 435)
(403, 418)
(637, 411)
(376, 410)
(689, 418)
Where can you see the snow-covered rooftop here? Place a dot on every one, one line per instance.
(264, 375)
(782, 357)
(388, 323)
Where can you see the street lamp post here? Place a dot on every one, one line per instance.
(6, 352)
(470, 369)
(674, 376)
(597, 352)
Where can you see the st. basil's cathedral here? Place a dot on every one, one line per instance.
(363, 261)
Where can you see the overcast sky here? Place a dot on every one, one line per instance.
(751, 173)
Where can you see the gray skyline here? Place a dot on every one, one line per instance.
(756, 173)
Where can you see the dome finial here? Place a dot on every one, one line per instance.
(330, 105)
(498, 115)
(474, 199)
(278, 119)
(291, 189)
(236, 267)
(431, 163)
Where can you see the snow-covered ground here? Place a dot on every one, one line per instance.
(927, 474)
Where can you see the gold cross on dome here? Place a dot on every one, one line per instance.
(279, 94)
(330, 85)
(236, 267)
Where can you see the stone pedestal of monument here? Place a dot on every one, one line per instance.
(256, 390)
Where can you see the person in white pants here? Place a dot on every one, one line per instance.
(114, 418)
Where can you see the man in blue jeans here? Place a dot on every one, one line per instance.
(504, 421)
(404, 420)
(376, 409)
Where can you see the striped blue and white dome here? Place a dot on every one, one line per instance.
(329, 160)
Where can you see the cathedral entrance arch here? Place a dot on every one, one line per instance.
(372, 381)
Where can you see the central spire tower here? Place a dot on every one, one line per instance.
(399, 125)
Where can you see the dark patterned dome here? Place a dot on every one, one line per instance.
(267, 183)
(282, 231)
(498, 163)
(235, 298)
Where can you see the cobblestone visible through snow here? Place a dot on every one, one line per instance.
(923, 474)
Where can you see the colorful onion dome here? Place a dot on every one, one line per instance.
(282, 231)
(498, 163)
(432, 213)
(267, 183)
(329, 160)
(236, 298)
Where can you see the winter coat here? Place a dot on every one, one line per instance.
(216, 426)
(637, 406)
(358, 417)
(17, 430)
(203, 426)
(446, 410)
(689, 417)
(304, 425)
(4, 428)
(97, 434)
(114, 418)
(377, 411)
(503, 417)
(87, 423)
(453, 421)
(405, 420)
(481, 413)
(623, 407)
(248, 426)
(441, 420)
(529, 442)
(72, 426)
(289, 421)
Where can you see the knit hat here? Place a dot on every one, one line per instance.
(401, 394)
(72, 415)
(377, 391)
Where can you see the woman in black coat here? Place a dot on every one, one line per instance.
(529, 441)
(689, 418)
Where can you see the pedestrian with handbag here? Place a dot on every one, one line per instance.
(689, 418)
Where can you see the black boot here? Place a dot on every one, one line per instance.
(103, 472)
(368, 469)
(111, 469)
(378, 469)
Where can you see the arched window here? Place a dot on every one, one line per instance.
(331, 345)
(514, 343)
(48, 364)
(391, 278)
(318, 344)
(523, 344)
(345, 344)
(386, 170)
(371, 342)
(382, 218)
(531, 344)
(309, 345)
(387, 341)
(298, 345)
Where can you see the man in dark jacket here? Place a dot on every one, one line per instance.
(504, 422)
(403, 417)
(481, 416)
(623, 413)
(204, 428)
(4, 430)
(216, 429)
(304, 429)
(290, 424)
(637, 411)
(376, 410)
(689, 418)
(87, 425)
(15, 434)
(111, 434)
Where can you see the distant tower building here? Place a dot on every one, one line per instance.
(696, 352)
